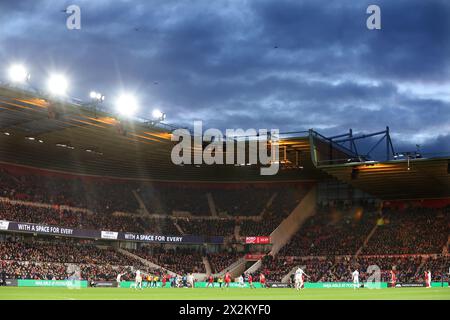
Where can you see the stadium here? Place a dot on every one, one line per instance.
(92, 206)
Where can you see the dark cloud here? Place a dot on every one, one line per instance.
(281, 64)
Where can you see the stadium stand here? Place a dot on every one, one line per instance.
(325, 245)
(46, 260)
(179, 260)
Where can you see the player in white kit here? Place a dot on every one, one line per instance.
(190, 280)
(138, 280)
(355, 277)
(241, 281)
(298, 278)
(119, 279)
(428, 279)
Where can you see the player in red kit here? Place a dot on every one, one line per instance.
(393, 278)
(164, 280)
(262, 280)
(227, 280)
(210, 282)
(250, 282)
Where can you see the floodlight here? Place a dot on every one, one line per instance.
(126, 105)
(18, 73)
(57, 84)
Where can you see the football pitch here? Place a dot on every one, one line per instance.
(15, 293)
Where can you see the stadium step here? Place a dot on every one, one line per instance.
(268, 204)
(179, 228)
(235, 269)
(366, 241)
(285, 279)
(141, 202)
(144, 261)
(237, 231)
(289, 226)
(207, 265)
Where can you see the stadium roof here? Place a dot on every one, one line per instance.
(75, 138)
(397, 179)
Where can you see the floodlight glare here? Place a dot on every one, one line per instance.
(157, 114)
(126, 105)
(57, 84)
(18, 73)
(93, 94)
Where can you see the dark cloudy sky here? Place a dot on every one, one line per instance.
(216, 61)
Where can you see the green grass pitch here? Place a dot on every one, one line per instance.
(16, 293)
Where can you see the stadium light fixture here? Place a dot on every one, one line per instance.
(97, 96)
(126, 105)
(57, 84)
(18, 73)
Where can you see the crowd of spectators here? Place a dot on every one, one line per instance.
(220, 261)
(63, 271)
(84, 220)
(60, 260)
(410, 231)
(179, 260)
(208, 227)
(286, 199)
(276, 268)
(165, 199)
(99, 195)
(54, 215)
(242, 201)
(63, 252)
(263, 227)
(332, 231)
(104, 197)
(408, 269)
(69, 252)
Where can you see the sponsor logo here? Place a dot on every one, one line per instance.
(109, 235)
(257, 240)
(250, 240)
(278, 285)
(410, 285)
(104, 284)
(4, 225)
